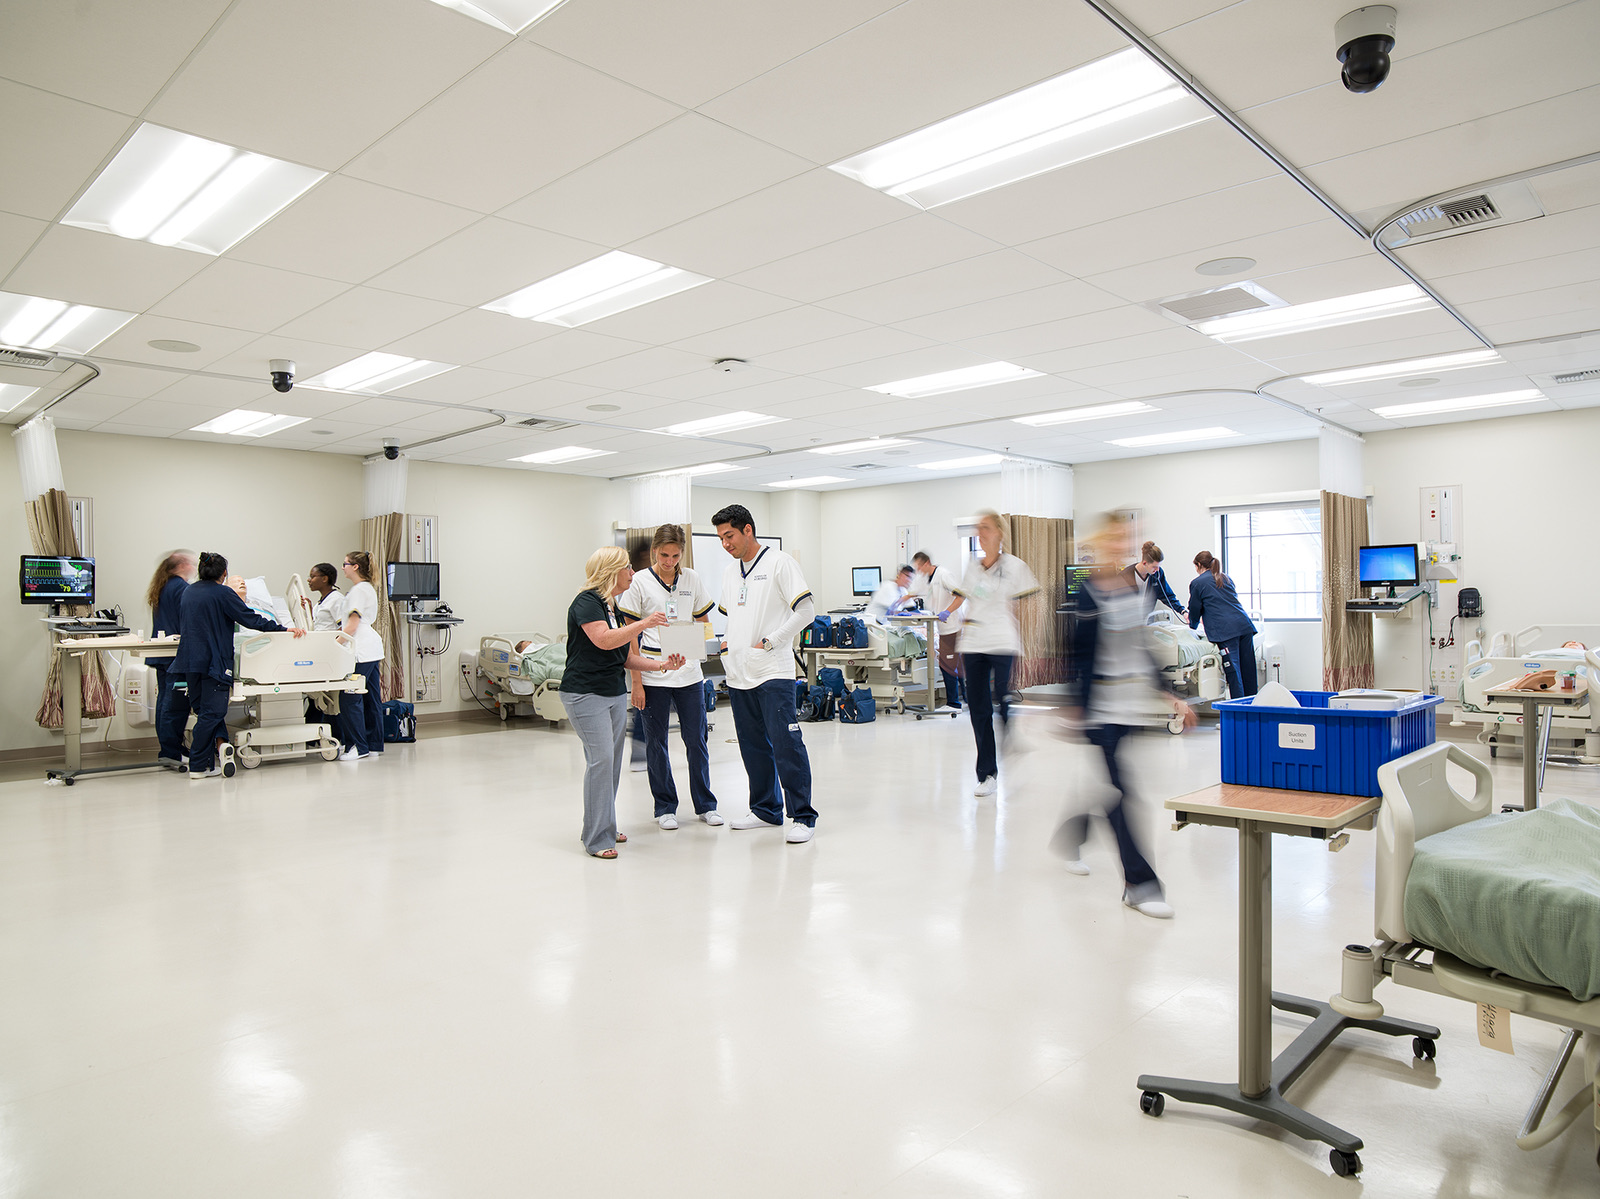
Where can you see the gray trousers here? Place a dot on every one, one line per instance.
(601, 722)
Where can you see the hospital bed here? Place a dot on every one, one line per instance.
(1506, 659)
(1437, 870)
(1190, 666)
(527, 684)
(894, 661)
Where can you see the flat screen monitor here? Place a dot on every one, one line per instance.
(53, 580)
(864, 580)
(1388, 566)
(413, 581)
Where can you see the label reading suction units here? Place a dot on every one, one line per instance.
(1297, 736)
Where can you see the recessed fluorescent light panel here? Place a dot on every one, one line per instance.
(705, 468)
(729, 422)
(1089, 111)
(1530, 395)
(567, 453)
(1068, 416)
(242, 422)
(963, 463)
(964, 379)
(12, 394)
(175, 189)
(862, 447)
(1319, 314)
(32, 322)
(1399, 370)
(603, 286)
(377, 374)
(1181, 437)
(814, 481)
(508, 16)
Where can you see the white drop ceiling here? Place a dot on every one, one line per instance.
(466, 163)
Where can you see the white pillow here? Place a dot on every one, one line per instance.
(1275, 695)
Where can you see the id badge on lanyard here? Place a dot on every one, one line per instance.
(672, 606)
(744, 593)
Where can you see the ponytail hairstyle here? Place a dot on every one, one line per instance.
(362, 561)
(667, 535)
(213, 568)
(1151, 552)
(328, 571)
(1205, 561)
(170, 567)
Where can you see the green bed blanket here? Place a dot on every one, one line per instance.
(1518, 893)
(542, 663)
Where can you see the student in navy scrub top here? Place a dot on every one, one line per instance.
(165, 597)
(1212, 598)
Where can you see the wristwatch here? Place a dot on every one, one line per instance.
(766, 643)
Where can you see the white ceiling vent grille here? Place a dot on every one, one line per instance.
(868, 466)
(39, 360)
(1588, 376)
(1211, 304)
(1452, 214)
(544, 424)
(1492, 207)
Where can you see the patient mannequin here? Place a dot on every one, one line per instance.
(522, 646)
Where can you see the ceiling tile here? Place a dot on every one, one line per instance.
(200, 392)
(444, 420)
(1055, 301)
(1093, 328)
(960, 283)
(711, 385)
(100, 269)
(310, 357)
(314, 82)
(243, 295)
(710, 306)
(462, 386)
(378, 412)
(63, 142)
(485, 261)
(892, 368)
(1170, 340)
(646, 366)
(687, 166)
(568, 350)
(1506, 245)
(470, 336)
(523, 119)
(17, 234)
(350, 230)
(85, 410)
(157, 415)
(846, 349)
(130, 382)
(767, 334)
(364, 316)
(1574, 267)
(131, 342)
(547, 396)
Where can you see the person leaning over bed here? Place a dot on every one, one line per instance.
(209, 612)
(679, 592)
(594, 688)
(1213, 599)
(361, 716)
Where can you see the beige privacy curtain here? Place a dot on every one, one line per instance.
(1045, 544)
(381, 537)
(1346, 636)
(50, 531)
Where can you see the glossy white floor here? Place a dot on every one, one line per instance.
(404, 979)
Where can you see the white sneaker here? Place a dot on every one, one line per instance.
(668, 822)
(988, 787)
(214, 773)
(639, 767)
(712, 817)
(352, 755)
(750, 820)
(1157, 909)
(799, 834)
(1077, 866)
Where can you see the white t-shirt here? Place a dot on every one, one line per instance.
(328, 614)
(687, 599)
(758, 597)
(991, 626)
(368, 645)
(888, 594)
(940, 590)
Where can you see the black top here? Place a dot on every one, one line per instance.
(590, 669)
(205, 626)
(165, 618)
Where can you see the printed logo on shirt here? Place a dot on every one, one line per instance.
(794, 728)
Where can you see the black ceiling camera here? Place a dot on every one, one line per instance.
(1363, 40)
(282, 374)
(391, 448)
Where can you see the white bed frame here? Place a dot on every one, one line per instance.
(1506, 661)
(1418, 801)
(500, 666)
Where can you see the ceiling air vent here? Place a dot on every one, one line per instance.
(39, 360)
(868, 466)
(545, 425)
(1494, 206)
(1452, 214)
(1588, 376)
(1214, 303)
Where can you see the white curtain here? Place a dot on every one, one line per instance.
(383, 486)
(38, 458)
(1339, 462)
(658, 500)
(1035, 489)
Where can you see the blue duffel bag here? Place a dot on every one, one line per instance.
(858, 706)
(850, 633)
(832, 678)
(818, 634)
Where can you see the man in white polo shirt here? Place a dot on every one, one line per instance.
(767, 603)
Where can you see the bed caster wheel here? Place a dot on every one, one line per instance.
(503, 713)
(1345, 1165)
(329, 751)
(1424, 1048)
(249, 756)
(1175, 725)
(1152, 1103)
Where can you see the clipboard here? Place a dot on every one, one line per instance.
(686, 637)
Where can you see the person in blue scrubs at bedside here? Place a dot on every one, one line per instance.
(1213, 599)
(210, 611)
(165, 597)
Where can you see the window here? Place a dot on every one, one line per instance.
(1274, 557)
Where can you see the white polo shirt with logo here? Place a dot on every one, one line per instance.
(758, 597)
(990, 625)
(686, 599)
(940, 588)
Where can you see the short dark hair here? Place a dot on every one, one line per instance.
(921, 556)
(905, 569)
(736, 515)
(213, 567)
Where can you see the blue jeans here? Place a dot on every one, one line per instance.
(361, 716)
(1136, 869)
(172, 712)
(690, 704)
(1239, 665)
(988, 678)
(768, 729)
(209, 699)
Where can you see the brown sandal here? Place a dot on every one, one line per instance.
(608, 854)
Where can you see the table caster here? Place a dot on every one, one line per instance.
(1152, 1103)
(1345, 1165)
(1423, 1047)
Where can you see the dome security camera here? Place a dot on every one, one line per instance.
(282, 371)
(1363, 39)
(391, 448)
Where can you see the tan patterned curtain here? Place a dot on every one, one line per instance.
(1346, 636)
(50, 531)
(1045, 544)
(381, 537)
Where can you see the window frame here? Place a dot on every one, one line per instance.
(1220, 517)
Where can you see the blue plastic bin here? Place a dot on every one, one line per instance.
(1318, 748)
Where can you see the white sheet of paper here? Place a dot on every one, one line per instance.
(687, 637)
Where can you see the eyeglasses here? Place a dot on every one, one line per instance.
(349, 563)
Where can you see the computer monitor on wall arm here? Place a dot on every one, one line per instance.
(1387, 566)
(56, 579)
(864, 580)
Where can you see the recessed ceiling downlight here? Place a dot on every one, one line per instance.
(1418, 382)
(173, 347)
(605, 407)
(1226, 266)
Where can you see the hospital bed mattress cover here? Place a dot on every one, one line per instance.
(541, 664)
(1518, 893)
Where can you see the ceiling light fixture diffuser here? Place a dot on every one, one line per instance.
(12, 394)
(1502, 399)
(814, 481)
(1091, 110)
(728, 422)
(1318, 314)
(1068, 416)
(861, 447)
(243, 422)
(965, 379)
(1398, 370)
(705, 468)
(175, 189)
(508, 16)
(567, 453)
(601, 287)
(1180, 437)
(377, 374)
(33, 322)
(963, 463)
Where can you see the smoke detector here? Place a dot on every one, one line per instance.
(729, 366)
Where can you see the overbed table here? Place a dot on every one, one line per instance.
(1536, 732)
(72, 651)
(1256, 813)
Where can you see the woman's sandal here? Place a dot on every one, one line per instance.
(621, 837)
(605, 853)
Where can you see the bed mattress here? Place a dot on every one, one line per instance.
(1518, 893)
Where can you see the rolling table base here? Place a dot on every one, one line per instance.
(71, 776)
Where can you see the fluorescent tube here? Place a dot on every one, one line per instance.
(1318, 314)
(964, 379)
(814, 481)
(244, 422)
(861, 447)
(1182, 436)
(567, 453)
(1397, 370)
(377, 374)
(729, 422)
(1502, 399)
(1069, 416)
(34, 322)
(963, 463)
(603, 286)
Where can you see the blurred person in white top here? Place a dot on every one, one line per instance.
(938, 585)
(889, 597)
(767, 603)
(678, 593)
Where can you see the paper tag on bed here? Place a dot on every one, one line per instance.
(1494, 1027)
(1297, 736)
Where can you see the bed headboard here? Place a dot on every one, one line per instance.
(1419, 801)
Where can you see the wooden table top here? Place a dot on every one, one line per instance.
(1269, 805)
(1553, 696)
